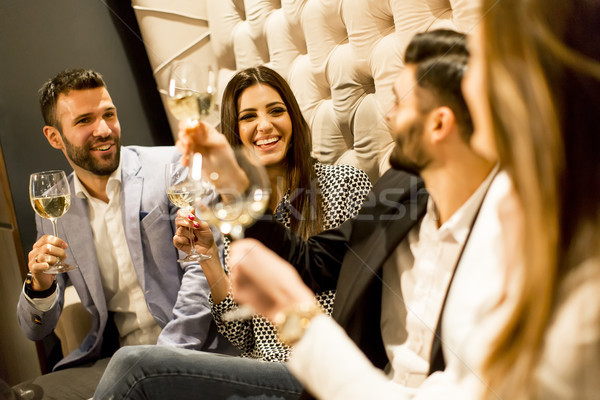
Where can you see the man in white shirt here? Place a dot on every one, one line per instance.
(118, 232)
(414, 275)
(391, 272)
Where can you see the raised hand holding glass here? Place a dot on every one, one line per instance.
(51, 198)
(183, 191)
(236, 203)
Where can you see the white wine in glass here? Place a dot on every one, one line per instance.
(183, 191)
(191, 106)
(180, 197)
(50, 198)
(232, 208)
(191, 96)
(192, 93)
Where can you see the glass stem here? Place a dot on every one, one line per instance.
(191, 169)
(193, 252)
(54, 229)
(55, 233)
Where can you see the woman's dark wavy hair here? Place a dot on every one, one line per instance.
(300, 179)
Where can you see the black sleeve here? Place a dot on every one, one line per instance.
(318, 260)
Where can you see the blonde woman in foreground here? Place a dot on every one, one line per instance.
(540, 64)
(533, 87)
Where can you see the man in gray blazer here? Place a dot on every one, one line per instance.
(118, 231)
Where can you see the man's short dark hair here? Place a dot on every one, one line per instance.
(63, 83)
(435, 43)
(440, 57)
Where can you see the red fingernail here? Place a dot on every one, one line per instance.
(191, 217)
(196, 225)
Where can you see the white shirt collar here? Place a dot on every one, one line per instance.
(81, 191)
(459, 224)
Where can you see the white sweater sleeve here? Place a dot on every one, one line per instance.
(330, 366)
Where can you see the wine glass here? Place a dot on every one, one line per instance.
(192, 94)
(236, 204)
(50, 198)
(182, 191)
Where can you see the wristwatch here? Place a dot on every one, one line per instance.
(293, 322)
(37, 294)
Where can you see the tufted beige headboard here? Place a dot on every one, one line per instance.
(339, 56)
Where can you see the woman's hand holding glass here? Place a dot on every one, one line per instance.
(183, 191)
(236, 202)
(219, 163)
(192, 230)
(241, 184)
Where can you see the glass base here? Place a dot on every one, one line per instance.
(194, 257)
(60, 268)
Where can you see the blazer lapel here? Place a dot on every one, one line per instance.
(364, 259)
(131, 200)
(74, 227)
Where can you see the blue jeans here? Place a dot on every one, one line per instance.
(159, 372)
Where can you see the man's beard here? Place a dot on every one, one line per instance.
(408, 153)
(81, 157)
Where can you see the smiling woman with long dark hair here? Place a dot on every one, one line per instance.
(287, 159)
(260, 112)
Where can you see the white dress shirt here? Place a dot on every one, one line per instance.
(44, 303)
(416, 278)
(123, 293)
(479, 303)
(343, 372)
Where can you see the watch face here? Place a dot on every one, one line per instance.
(292, 329)
(294, 322)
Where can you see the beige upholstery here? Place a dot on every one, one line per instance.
(339, 56)
(74, 322)
(174, 30)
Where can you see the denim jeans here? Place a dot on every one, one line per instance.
(159, 372)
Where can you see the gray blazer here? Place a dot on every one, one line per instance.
(177, 296)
